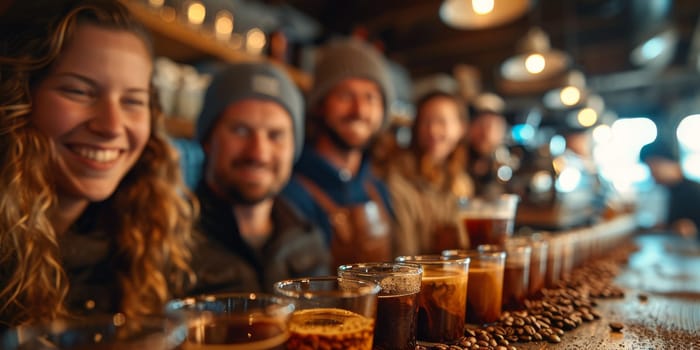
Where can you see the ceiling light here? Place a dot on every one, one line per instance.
(476, 14)
(571, 94)
(536, 59)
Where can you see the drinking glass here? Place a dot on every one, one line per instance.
(488, 220)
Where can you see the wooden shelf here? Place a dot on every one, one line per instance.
(179, 42)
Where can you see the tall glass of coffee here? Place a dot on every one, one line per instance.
(485, 284)
(397, 303)
(331, 312)
(251, 321)
(442, 298)
(97, 332)
(488, 220)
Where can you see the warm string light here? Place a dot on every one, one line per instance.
(223, 25)
(196, 12)
(255, 41)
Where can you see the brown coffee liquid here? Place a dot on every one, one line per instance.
(237, 333)
(514, 286)
(396, 322)
(329, 328)
(488, 230)
(484, 294)
(538, 266)
(441, 307)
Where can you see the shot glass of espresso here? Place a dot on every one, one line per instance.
(443, 297)
(331, 312)
(252, 321)
(484, 294)
(397, 303)
(95, 332)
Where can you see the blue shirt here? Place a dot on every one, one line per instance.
(340, 186)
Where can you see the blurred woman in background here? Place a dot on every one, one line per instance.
(426, 180)
(94, 216)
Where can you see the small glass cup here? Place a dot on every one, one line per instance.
(554, 261)
(516, 275)
(442, 300)
(538, 260)
(330, 311)
(111, 331)
(397, 305)
(484, 295)
(251, 321)
(488, 220)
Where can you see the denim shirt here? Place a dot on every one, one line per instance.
(340, 186)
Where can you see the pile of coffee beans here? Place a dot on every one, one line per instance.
(547, 317)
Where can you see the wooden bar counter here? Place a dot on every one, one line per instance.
(638, 290)
(661, 305)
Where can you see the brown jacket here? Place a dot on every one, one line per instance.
(427, 213)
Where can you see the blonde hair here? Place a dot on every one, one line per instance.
(153, 227)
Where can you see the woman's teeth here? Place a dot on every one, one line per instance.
(98, 155)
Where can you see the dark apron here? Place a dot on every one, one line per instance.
(361, 232)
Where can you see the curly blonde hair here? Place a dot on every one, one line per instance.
(156, 213)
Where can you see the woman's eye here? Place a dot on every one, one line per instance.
(135, 101)
(75, 91)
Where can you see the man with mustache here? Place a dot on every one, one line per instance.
(251, 129)
(333, 183)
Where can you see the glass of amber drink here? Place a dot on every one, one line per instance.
(331, 312)
(251, 321)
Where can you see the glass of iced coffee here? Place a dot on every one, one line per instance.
(251, 321)
(331, 312)
(397, 303)
(442, 298)
(485, 284)
(96, 332)
(488, 220)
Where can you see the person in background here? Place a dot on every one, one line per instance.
(333, 183)
(95, 216)
(251, 129)
(683, 216)
(427, 179)
(485, 138)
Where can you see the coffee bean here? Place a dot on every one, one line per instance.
(616, 326)
(554, 339)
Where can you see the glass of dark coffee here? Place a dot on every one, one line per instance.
(488, 220)
(331, 312)
(97, 332)
(251, 321)
(397, 303)
(516, 275)
(443, 297)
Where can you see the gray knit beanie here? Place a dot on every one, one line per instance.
(350, 58)
(252, 80)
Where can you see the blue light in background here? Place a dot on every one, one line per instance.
(522, 133)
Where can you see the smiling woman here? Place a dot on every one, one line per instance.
(94, 216)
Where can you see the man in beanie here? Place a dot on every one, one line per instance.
(251, 131)
(333, 184)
